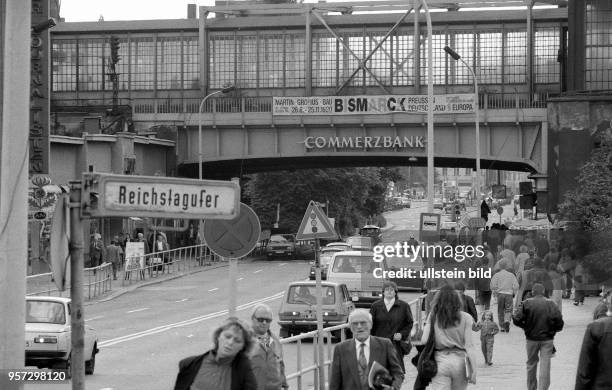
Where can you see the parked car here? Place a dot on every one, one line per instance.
(372, 231)
(298, 314)
(360, 243)
(325, 255)
(438, 204)
(356, 269)
(47, 335)
(281, 245)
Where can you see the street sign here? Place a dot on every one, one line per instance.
(500, 210)
(476, 223)
(158, 197)
(315, 224)
(430, 227)
(235, 238)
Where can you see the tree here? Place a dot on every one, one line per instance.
(590, 204)
(354, 195)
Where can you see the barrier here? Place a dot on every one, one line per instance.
(415, 338)
(98, 280)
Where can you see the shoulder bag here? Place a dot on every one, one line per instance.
(427, 366)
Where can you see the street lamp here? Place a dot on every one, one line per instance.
(457, 57)
(224, 90)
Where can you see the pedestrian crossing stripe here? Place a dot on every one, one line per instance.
(315, 224)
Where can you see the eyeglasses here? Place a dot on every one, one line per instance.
(266, 320)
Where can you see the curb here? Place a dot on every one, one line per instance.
(124, 290)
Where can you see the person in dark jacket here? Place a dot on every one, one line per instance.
(537, 274)
(468, 302)
(226, 366)
(541, 319)
(392, 319)
(594, 364)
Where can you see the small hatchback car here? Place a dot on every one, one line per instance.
(47, 335)
(298, 311)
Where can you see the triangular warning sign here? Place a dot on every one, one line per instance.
(315, 224)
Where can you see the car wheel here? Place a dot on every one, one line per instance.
(90, 365)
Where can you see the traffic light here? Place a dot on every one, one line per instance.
(457, 210)
(114, 49)
(528, 201)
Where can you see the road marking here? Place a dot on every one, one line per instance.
(94, 318)
(141, 309)
(239, 278)
(213, 289)
(182, 300)
(258, 271)
(281, 264)
(195, 320)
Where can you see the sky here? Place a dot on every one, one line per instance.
(91, 10)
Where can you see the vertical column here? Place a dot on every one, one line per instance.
(14, 105)
(203, 51)
(416, 49)
(530, 51)
(308, 55)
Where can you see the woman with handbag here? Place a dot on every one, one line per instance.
(392, 319)
(449, 355)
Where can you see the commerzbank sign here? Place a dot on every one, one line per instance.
(367, 104)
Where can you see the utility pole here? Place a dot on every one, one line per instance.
(15, 39)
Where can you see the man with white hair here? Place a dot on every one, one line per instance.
(353, 358)
(267, 354)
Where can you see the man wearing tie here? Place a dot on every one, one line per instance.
(354, 357)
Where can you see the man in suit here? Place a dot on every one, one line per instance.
(353, 358)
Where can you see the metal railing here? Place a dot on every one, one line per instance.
(99, 280)
(263, 104)
(301, 371)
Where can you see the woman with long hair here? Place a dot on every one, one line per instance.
(454, 347)
(226, 366)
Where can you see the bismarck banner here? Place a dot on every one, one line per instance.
(379, 104)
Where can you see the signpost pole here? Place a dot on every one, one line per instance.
(77, 317)
(320, 358)
(233, 272)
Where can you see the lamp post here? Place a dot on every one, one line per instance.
(457, 57)
(224, 90)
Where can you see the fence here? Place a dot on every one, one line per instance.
(339, 330)
(98, 280)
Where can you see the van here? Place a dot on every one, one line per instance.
(362, 275)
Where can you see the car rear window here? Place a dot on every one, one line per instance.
(45, 312)
(354, 264)
(303, 294)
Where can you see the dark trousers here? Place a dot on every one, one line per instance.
(485, 299)
(504, 305)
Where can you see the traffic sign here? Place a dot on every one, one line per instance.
(235, 238)
(158, 197)
(500, 210)
(315, 224)
(430, 227)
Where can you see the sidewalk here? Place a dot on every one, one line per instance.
(509, 354)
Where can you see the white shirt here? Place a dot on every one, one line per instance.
(366, 349)
(389, 304)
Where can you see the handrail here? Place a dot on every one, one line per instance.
(327, 335)
(98, 280)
